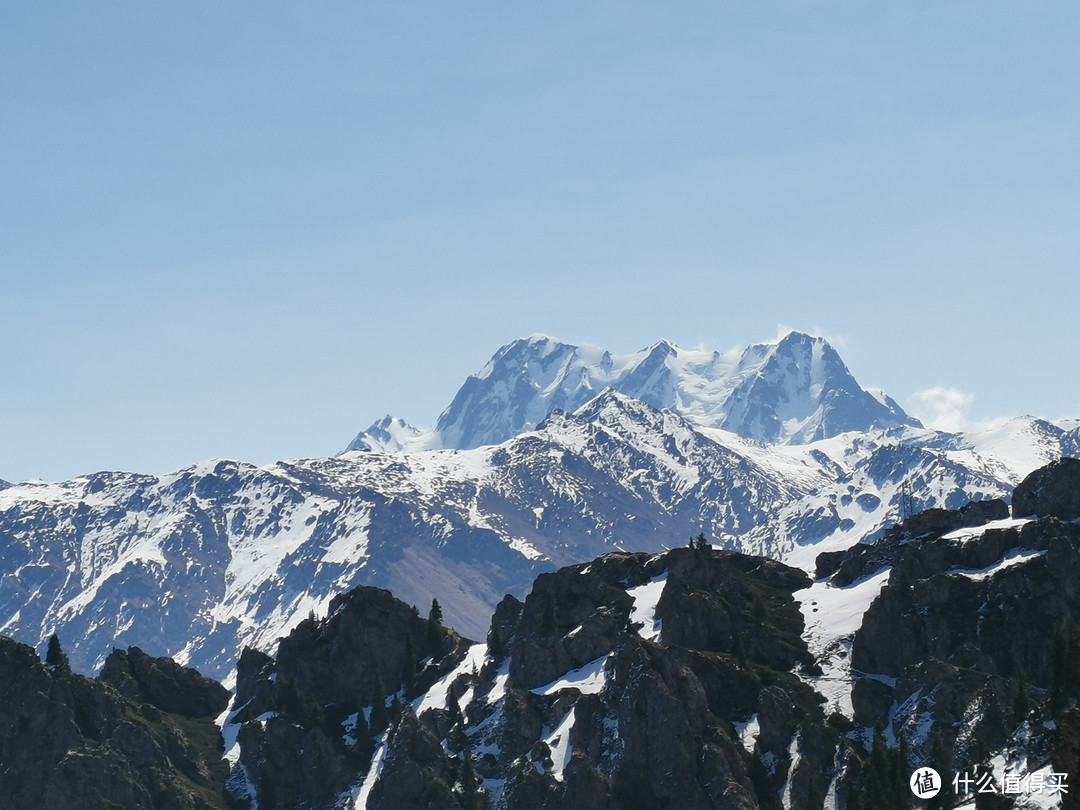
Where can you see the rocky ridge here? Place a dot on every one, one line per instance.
(141, 737)
(199, 563)
(696, 678)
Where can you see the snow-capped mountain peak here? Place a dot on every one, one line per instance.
(393, 435)
(792, 391)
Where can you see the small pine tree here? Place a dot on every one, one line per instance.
(55, 659)
(879, 776)
(1072, 663)
(1059, 662)
(435, 614)
(901, 775)
(472, 795)
(298, 706)
(940, 761)
(365, 745)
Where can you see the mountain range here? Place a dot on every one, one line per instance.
(550, 455)
(695, 678)
(794, 391)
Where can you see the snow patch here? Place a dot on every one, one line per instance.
(1016, 556)
(588, 679)
(645, 599)
(360, 797)
(831, 615)
(973, 532)
(795, 755)
(558, 743)
(436, 697)
(748, 733)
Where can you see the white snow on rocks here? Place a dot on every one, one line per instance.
(436, 697)
(645, 599)
(748, 733)
(558, 743)
(973, 532)
(1015, 556)
(588, 679)
(831, 616)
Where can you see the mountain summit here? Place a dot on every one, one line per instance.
(794, 391)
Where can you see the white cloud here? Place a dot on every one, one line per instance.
(943, 408)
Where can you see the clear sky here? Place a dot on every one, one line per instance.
(249, 230)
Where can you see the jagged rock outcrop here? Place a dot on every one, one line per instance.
(72, 743)
(579, 699)
(1050, 490)
(307, 718)
(972, 644)
(163, 683)
(850, 565)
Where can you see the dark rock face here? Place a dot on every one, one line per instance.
(863, 560)
(304, 734)
(1053, 490)
(72, 743)
(362, 644)
(575, 616)
(1066, 755)
(633, 722)
(972, 641)
(164, 683)
(743, 607)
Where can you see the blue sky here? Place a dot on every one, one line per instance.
(235, 234)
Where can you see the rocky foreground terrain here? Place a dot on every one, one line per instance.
(694, 678)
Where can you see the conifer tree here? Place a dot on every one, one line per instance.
(365, 744)
(1022, 701)
(901, 774)
(1059, 663)
(940, 761)
(298, 706)
(55, 659)
(879, 776)
(472, 795)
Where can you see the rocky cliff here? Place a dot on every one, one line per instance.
(634, 681)
(141, 737)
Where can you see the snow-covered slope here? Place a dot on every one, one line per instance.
(570, 452)
(197, 563)
(793, 391)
